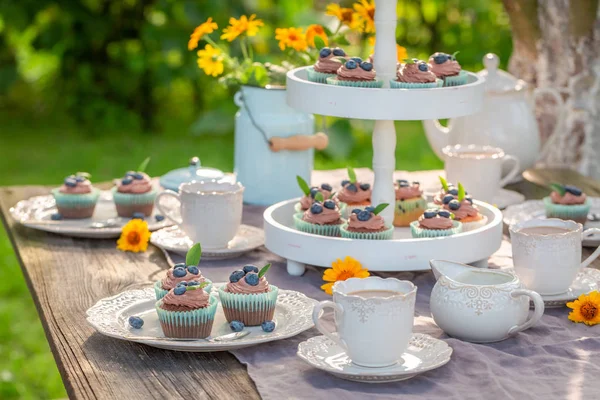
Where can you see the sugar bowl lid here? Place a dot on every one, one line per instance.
(497, 80)
(194, 172)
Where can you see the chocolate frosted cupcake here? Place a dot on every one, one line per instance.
(248, 297)
(447, 189)
(134, 193)
(187, 311)
(464, 212)
(310, 192)
(326, 66)
(445, 67)
(367, 224)
(354, 194)
(180, 274)
(322, 218)
(356, 73)
(410, 202)
(76, 198)
(567, 202)
(415, 74)
(435, 223)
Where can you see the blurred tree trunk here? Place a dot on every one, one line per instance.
(556, 43)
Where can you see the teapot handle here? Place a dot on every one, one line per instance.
(538, 310)
(560, 105)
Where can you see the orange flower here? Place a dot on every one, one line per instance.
(210, 60)
(342, 270)
(586, 309)
(366, 13)
(237, 27)
(291, 37)
(205, 28)
(346, 16)
(316, 30)
(134, 236)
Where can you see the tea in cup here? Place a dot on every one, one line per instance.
(373, 319)
(547, 253)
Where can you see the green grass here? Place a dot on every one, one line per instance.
(35, 152)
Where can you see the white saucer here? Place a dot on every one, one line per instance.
(424, 353)
(504, 197)
(534, 209)
(587, 280)
(175, 240)
(109, 316)
(36, 212)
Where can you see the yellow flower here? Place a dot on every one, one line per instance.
(366, 13)
(316, 30)
(211, 60)
(586, 309)
(244, 24)
(291, 37)
(401, 52)
(134, 236)
(205, 28)
(342, 270)
(346, 16)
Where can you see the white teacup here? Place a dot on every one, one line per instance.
(479, 169)
(373, 319)
(547, 253)
(211, 211)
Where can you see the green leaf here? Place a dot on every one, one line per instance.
(380, 208)
(86, 175)
(255, 74)
(319, 42)
(444, 183)
(196, 287)
(341, 40)
(143, 165)
(452, 216)
(319, 197)
(263, 271)
(409, 61)
(461, 192)
(453, 56)
(558, 188)
(351, 175)
(303, 185)
(193, 255)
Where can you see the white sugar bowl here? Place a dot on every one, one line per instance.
(481, 305)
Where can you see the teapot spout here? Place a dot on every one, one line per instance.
(437, 135)
(447, 268)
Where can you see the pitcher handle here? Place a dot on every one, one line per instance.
(560, 105)
(319, 325)
(538, 310)
(584, 235)
(163, 210)
(513, 172)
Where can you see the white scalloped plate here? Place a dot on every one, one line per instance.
(293, 315)
(424, 353)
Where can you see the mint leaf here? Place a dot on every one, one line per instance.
(380, 208)
(263, 271)
(196, 287)
(558, 188)
(351, 174)
(319, 197)
(444, 183)
(303, 185)
(461, 192)
(319, 42)
(143, 165)
(193, 255)
(453, 56)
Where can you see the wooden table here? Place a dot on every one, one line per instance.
(66, 276)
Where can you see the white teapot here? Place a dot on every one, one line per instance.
(480, 305)
(507, 119)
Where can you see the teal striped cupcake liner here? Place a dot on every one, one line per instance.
(433, 233)
(188, 318)
(252, 302)
(388, 234)
(160, 292)
(394, 84)
(377, 83)
(83, 200)
(575, 212)
(456, 80)
(298, 207)
(315, 229)
(318, 77)
(137, 199)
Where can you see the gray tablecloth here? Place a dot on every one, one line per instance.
(557, 359)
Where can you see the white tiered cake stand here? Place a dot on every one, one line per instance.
(385, 106)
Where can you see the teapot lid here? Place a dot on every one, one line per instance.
(194, 172)
(497, 80)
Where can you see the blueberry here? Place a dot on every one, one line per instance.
(345, 182)
(192, 269)
(136, 322)
(179, 272)
(339, 52)
(56, 217)
(440, 58)
(313, 191)
(364, 215)
(365, 186)
(126, 181)
(575, 191)
(357, 60)
(367, 66)
(356, 211)
(352, 187)
(316, 208)
(250, 268)
(370, 209)
(325, 52)
(403, 184)
(236, 326)
(138, 176)
(447, 199)
(159, 217)
(268, 326)
(182, 265)
(327, 187)
(470, 200)
(402, 181)
(80, 178)
(453, 192)
(351, 64)
(444, 214)
(138, 215)
(70, 182)
(179, 290)
(454, 205)
(236, 275)
(430, 214)
(194, 283)
(329, 204)
(251, 279)
(182, 283)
